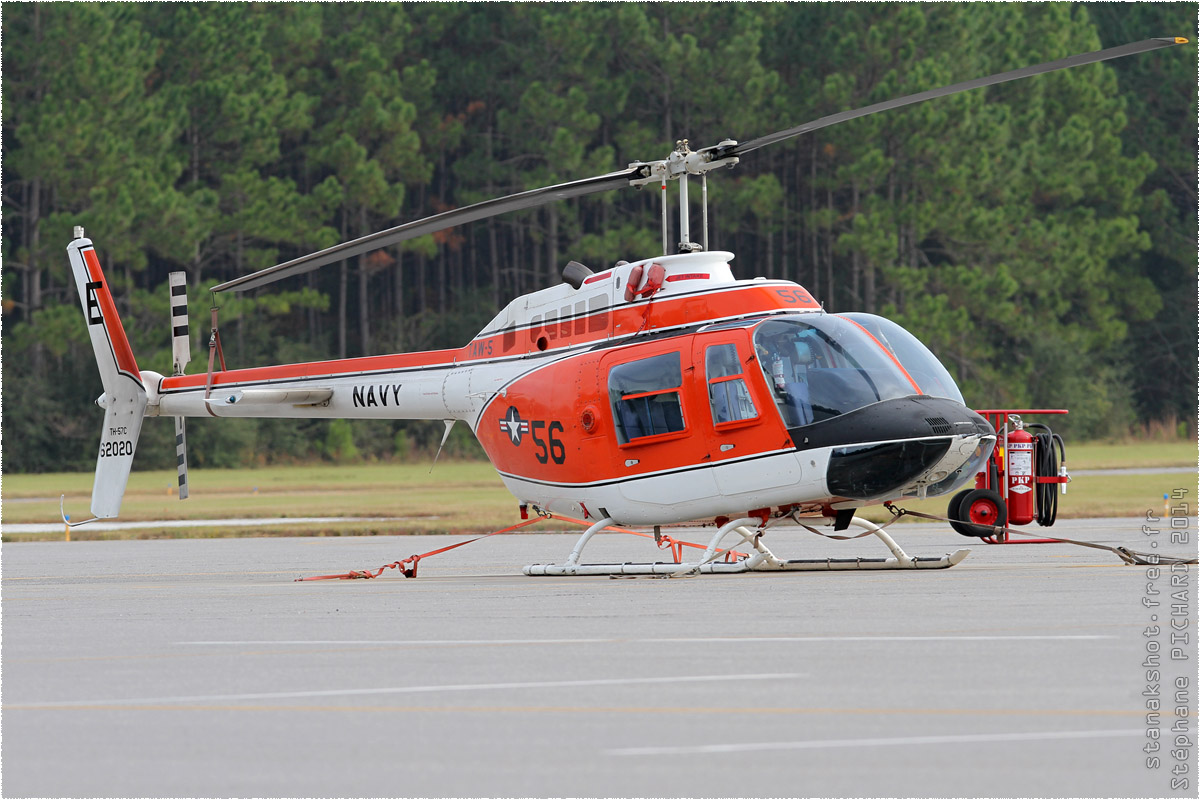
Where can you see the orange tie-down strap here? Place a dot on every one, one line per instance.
(408, 566)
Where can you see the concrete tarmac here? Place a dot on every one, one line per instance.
(200, 668)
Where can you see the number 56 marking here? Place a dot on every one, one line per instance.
(556, 452)
(798, 296)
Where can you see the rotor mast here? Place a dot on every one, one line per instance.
(678, 166)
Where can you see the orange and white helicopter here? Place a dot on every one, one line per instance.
(649, 393)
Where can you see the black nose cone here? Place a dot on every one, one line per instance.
(865, 471)
(884, 447)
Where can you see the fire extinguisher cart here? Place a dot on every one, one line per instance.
(1019, 481)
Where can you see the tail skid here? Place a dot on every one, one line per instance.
(124, 393)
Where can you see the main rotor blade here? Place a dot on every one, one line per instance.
(438, 222)
(1002, 77)
(616, 180)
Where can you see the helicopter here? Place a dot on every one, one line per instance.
(653, 392)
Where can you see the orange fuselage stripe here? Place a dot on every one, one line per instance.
(615, 321)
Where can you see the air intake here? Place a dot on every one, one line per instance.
(939, 425)
(574, 274)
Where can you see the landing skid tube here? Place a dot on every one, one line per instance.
(763, 560)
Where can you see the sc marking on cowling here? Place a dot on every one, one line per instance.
(549, 447)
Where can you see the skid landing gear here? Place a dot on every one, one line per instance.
(760, 560)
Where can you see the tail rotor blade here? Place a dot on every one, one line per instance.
(181, 455)
(181, 340)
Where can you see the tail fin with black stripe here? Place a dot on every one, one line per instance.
(124, 399)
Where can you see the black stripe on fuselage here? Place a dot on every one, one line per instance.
(641, 476)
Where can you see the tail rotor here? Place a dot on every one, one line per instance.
(181, 354)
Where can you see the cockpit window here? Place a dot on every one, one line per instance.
(825, 366)
(921, 364)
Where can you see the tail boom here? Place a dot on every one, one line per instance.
(330, 390)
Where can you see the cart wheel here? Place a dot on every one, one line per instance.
(982, 507)
(955, 503)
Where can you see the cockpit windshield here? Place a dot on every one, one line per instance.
(822, 366)
(916, 358)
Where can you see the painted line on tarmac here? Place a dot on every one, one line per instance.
(658, 640)
(379, 644)
(460, 687)
(528, 709)
(823, 744)
(237, 522)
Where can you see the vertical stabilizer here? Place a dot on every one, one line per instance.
(124, 398)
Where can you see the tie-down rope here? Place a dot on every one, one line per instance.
(1130, 557)
(408, 566)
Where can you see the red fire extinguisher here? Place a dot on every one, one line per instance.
(1020, 475)
(1020, 482)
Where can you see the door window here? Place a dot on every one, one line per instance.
(728, 397)
(645, 397)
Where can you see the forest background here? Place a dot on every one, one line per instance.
(1040, 236)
